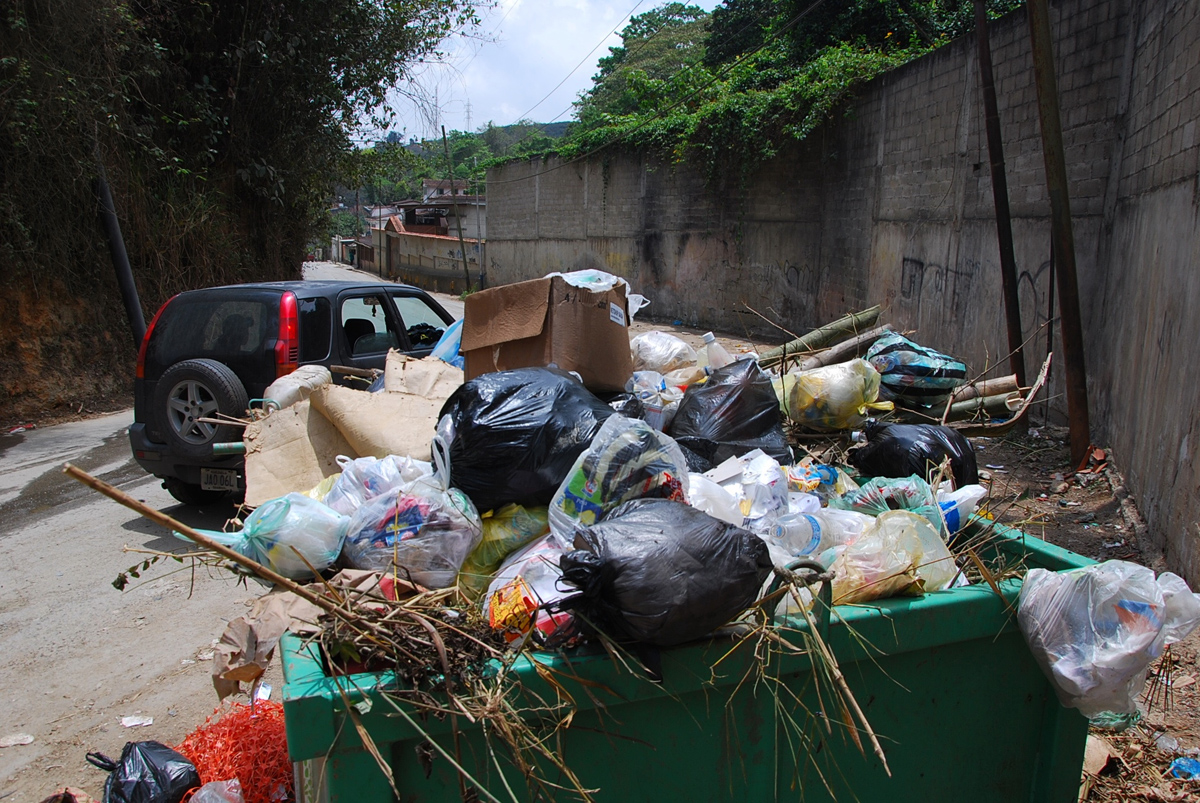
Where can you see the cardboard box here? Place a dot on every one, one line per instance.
(549, 322)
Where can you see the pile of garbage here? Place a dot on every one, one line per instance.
(545, 494)
(652, 514)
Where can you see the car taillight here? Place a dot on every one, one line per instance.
(287, 346)
(140, 372)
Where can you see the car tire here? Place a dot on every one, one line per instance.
(194, 389)
(191, 494)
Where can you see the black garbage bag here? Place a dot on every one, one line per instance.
(661, 572)
(901, 450)
(514, 435)
(148, 772)
(626, 404)
(734, 412)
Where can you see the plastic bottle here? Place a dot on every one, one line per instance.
(718, 357)
(810, 534)
(958, 506)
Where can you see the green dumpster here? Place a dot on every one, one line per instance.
(946, 680)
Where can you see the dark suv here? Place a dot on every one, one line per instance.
(212, 353)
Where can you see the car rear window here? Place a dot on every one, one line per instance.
(222, 329)
(315, 320)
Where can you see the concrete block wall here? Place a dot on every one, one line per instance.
(891, 203)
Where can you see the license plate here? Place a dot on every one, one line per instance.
(218, 479)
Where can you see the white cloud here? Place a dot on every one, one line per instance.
(520, 52)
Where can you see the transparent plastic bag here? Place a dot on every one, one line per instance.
(901, 554)
(504, 532)
(834, 397)
(322, 488)
(423, 531)
(763, 492)
(713, 499)
(825, 481)
(661, 352)
(527, 581)
(659, 399)
(365, 478)
(270, 533)
(219, 792)
(1095, 630)
(627, 459)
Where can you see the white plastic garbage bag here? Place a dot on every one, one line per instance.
(528, 580)
(365, 478)
(1095, 630)
(422, 530)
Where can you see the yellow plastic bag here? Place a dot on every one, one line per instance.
(322, 488)
(831, 398)
(504, 531)
(901, 555)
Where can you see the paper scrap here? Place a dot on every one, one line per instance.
(14, 739)
(137, 722)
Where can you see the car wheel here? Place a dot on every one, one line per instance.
(192, 390)
(193, 495)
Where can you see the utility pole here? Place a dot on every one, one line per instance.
(1008, 259)
(462, 246)
(1062, 235)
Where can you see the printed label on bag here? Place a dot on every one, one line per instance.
(616, 314)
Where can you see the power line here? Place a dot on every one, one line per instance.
(540, 128)
(661, 114)
(581, 62)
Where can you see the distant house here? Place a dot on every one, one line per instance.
(431, 188)
(420, 244)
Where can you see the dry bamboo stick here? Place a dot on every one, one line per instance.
(845, 350)
(1001, 405)
(987, 387)
(822, 336)
(158, 517)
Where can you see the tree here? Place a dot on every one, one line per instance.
(655, 47)
(222, 128)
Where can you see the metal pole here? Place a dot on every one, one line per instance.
(1062, 235)
(1008, 260)
(120, 258)
(457, 216)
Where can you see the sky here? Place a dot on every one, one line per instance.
(508, 70)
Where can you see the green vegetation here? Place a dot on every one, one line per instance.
(726, 91)
(391, 171)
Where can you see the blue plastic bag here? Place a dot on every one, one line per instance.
(448, 346)
(277, 530)
(913, 372)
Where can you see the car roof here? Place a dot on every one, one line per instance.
(311, 288)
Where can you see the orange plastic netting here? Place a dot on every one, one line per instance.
(247, 743)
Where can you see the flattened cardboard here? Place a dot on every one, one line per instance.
(292, 449)
(548, 321)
